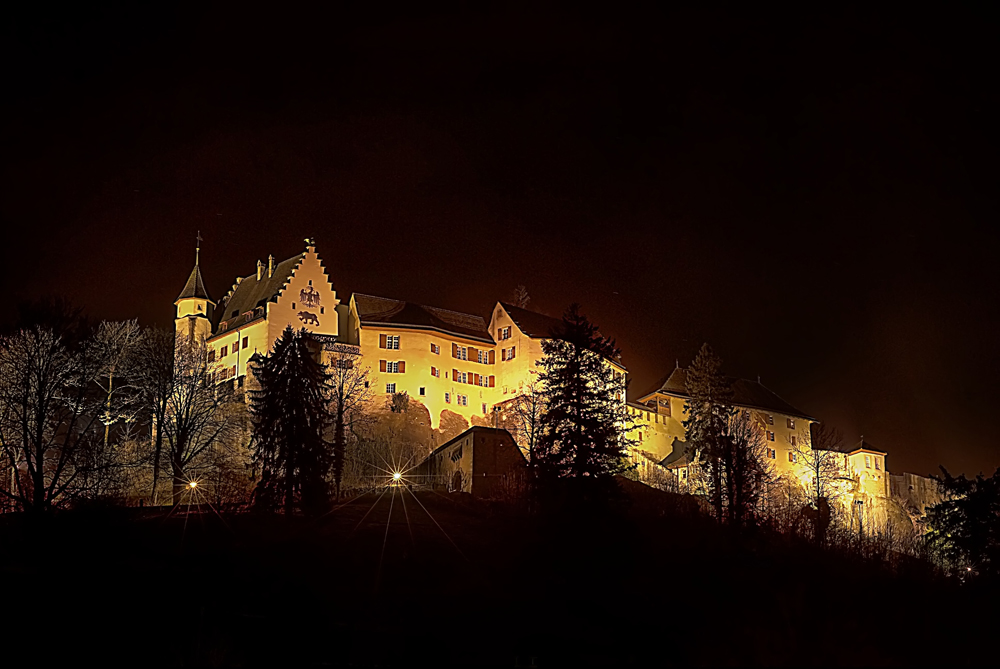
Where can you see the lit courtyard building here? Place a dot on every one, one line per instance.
(786, 432)
(660, 415)
(454, 364)
(252, 315)
(444, 359)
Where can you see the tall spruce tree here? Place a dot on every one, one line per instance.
(290, 415)
(583, 439)
(709, 411)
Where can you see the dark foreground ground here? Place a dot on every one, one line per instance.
(399, 580)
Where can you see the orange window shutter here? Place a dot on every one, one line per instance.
(493, 380)
(381, 365)
(454, 350)
(454, 375)
(433, 371)
(475, 381)
(402, 366)
(512, 352)
(492, 357)
(432, 348)
(472, 354)
(381, 342)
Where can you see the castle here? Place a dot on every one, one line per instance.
(458, 363)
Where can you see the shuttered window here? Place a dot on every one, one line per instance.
(381, 341)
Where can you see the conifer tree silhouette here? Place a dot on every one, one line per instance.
(290, 414)
(583, 441)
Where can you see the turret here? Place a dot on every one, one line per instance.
(194, 307)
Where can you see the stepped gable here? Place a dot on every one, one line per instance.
(374, 310)
(746, 393)
(535, 325)
(195, 287)
(250, 293)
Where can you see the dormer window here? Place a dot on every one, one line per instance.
(199, 307)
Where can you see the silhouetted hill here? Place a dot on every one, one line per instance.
(436, 580)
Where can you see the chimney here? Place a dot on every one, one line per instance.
(260, 269)
(270, 266)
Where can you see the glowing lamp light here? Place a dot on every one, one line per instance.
(193, 484)
(396, 476)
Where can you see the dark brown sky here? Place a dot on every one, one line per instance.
(814, 194)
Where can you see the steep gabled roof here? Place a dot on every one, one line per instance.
(857, 447)
(540, 326)
(194, 287)
(746, 393)
(250, 293)
(374, 310)
(535, 325)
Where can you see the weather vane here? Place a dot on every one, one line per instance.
(197, 248)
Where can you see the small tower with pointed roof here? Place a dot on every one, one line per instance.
(194, 307)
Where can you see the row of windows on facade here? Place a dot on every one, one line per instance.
(224, 351)
(471, 353)
(460, 400)
(794, 457)
(481, 380)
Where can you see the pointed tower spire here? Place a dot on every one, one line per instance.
(194, 307)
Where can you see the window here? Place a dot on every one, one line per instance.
(504, 333)
(421, 391)
(392, 367)
(435, 372)
(224, 352)
(463, 377)
(211, 355)
(483, 357)
(462, 400)
(392, 341)
(868, 462)
(463, 353)
(770, 419)
(246, 342)
(791, 456)
(791, 423)
(770, 436)
(484, 407)
(435, 349)
(447, 398)
(794, 440)
(878, 464)
(390, 388)
(771, 453)
(507, 353)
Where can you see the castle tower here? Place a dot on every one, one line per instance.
(194, 307)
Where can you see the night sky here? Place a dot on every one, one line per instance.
(814, 194)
